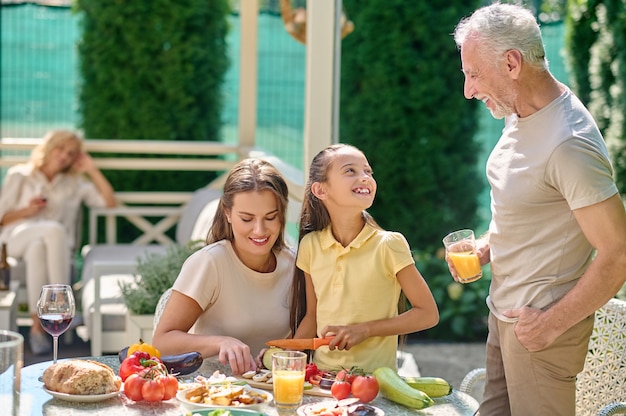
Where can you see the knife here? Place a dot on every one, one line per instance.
(300, 343)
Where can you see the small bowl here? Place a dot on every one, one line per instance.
(326, 383)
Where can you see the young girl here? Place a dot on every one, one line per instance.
(351, 272)
(233, 295)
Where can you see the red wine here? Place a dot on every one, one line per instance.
(55, 324)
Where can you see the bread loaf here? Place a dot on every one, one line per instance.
(81, 377)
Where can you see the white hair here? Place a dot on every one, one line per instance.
(502, 27)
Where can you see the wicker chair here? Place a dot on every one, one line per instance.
(601, 386)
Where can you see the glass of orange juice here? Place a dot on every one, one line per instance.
(288, 379)
(461, 248)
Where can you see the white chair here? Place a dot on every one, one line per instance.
(106, 265)
(601, 385)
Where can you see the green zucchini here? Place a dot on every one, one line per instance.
(433, 386)
(394, 388)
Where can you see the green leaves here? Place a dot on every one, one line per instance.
(155, 274)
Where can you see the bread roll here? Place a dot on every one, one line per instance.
(81, 377)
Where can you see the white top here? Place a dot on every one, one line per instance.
(543, 167)
(64, 194)
(238, 301)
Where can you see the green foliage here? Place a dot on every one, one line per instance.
(462, 308)
(402, 103)
(153, 70)
(155, 274)
(596, 52)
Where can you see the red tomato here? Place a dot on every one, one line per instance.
(340, 389)
(365, 388)
(133, 386)
(153, 390)
(170, 386)
(346, 375)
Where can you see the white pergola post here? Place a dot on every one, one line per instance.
(322, 77)
(249, 15)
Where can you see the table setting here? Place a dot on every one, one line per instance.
(207, 387)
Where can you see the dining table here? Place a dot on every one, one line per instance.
(35, 401)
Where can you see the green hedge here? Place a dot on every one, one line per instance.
(596, 53)
(153, 70)
(402, 103)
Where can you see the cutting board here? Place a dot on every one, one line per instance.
(315, 391)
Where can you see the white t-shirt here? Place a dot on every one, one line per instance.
(543, 167)
(64, 194)
(238, 301)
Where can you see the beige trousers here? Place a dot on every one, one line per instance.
(44, 248)
(522, 383)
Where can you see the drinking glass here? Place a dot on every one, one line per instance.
(55, 309)
(461, 248)
(288, 378)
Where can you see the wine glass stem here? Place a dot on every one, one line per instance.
(55, 348)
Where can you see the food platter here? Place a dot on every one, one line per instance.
(82, 398)
(314, 391)
(350, 406)
(181, 396)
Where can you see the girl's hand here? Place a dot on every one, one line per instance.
(236, 354)
(345, 336)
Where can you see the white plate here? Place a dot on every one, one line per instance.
(317, 408)
(258, 406)
(84, 398)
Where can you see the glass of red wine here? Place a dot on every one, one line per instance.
(55, 309)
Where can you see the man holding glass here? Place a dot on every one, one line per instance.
(557, 238)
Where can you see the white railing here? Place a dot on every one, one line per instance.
(136, 207)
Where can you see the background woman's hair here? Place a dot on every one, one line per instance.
(246, 176)
(53, 139)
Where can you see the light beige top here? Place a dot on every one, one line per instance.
(65, 194)
(237, 301)
(543, 167)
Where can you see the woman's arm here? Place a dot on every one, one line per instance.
(12, 192)
(85, 164)
(171, 336)
(33, 208)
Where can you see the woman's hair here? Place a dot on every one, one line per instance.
(314, 217)
(52, 140)
(502, 27)
(246, 176)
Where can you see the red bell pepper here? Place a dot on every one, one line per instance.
(136, 363)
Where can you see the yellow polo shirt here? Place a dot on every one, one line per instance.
(356, 284)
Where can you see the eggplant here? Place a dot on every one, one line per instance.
(182, 364)
(179, 365)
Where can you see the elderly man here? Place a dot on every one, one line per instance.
(553, 201)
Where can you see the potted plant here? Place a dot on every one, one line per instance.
(155, 274)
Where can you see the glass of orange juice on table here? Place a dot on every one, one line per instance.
(461, 248)
(288, 379)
